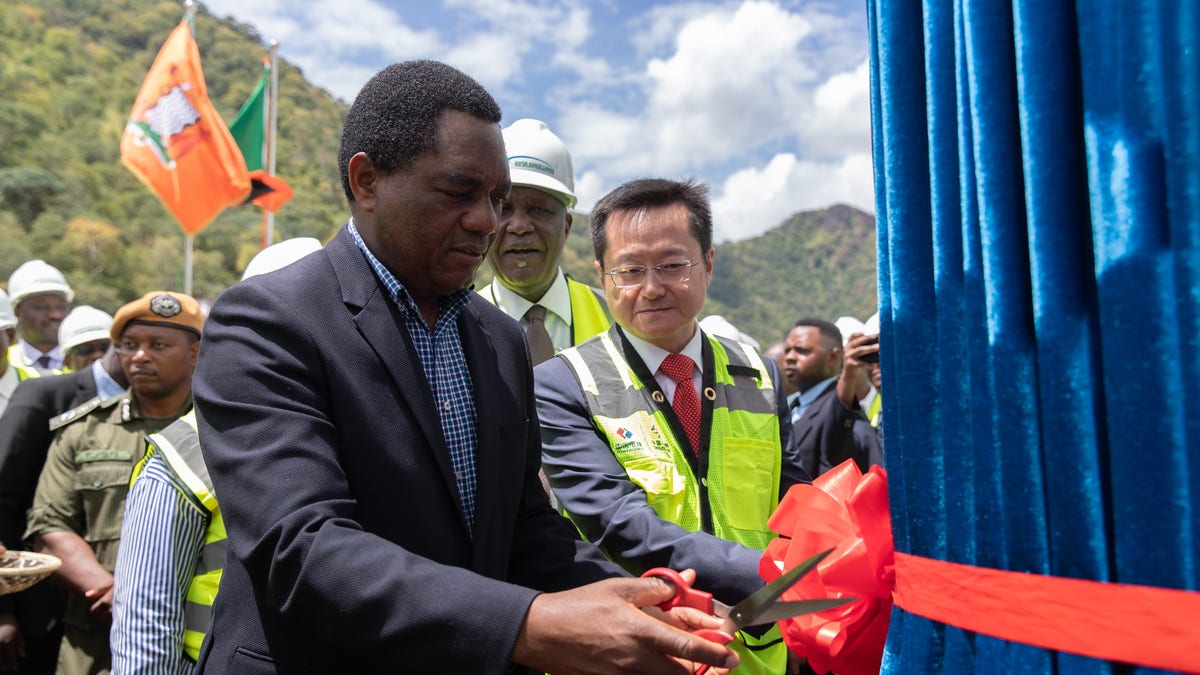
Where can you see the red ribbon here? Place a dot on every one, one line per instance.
(847, 511)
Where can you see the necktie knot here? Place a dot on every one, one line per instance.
(43, 361)
(685, 402)
(678, 367)
(535, 313)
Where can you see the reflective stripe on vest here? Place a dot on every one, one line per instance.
(179, 445)
(743, 438)
(744, 454)
(875, 409)
(589, 312)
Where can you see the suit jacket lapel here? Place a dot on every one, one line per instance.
(381, 324)
(481, 362)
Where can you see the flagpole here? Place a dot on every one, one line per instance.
(187, 264)
(188, 240)
(273, 112)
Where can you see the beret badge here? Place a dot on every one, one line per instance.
(165, 306)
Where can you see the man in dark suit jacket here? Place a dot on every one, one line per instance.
(823, 425)
(370, 431)
(34, 616)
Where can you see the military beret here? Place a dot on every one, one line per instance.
(160, 308)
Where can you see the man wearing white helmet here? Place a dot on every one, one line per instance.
(39, 295)
(555, 310)
(83, 337)
(8, 335)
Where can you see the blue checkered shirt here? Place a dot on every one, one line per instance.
(445, 365)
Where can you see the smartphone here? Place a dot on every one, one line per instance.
(873, 357)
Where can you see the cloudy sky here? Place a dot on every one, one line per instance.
(766, 100)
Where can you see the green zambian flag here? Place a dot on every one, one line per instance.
(248, 129)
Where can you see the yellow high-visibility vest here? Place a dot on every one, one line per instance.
(179, 445)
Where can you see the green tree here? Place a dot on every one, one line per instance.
(26, 191)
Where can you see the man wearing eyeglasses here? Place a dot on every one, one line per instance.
(83, 337)
(79, 501)
(667, 446)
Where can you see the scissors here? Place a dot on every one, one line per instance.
(761, 607)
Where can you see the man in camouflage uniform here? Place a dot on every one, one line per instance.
(80, 496)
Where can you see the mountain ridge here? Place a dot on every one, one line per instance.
(66, 90)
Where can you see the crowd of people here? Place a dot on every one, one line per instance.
(356, 463)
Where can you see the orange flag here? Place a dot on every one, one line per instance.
(177, 143)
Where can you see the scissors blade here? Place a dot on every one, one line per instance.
(786, 610)
(748, 611)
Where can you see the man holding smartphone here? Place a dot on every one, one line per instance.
(826, 412)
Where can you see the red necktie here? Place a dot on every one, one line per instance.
(685, 402)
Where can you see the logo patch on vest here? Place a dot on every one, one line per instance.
(637, 436)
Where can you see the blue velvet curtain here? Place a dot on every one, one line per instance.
(1037, 170)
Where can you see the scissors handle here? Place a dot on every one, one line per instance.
(685, 595)
(718, 636)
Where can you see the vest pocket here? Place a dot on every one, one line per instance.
(750, 479)
(656, 477)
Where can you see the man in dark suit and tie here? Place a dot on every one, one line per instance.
(824, 424)
(34, 616)
(370, 430)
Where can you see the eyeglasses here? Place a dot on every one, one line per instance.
(632, 276)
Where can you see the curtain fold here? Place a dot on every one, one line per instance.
(1037, 172)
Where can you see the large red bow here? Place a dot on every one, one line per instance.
(848, 512)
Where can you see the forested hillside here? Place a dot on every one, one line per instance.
(71, 71)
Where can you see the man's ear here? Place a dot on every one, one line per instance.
(567, 231)
(363, 178)
(834, 359)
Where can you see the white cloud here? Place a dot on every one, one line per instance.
(840, 119)
(767, 99)
(728, 86)
(739, 82)
(493, 58)
(754, 200)
(328, 40)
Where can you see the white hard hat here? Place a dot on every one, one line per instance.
(872, 324)
(34, 277)
(84, 324)
(7, 320)
(280, 255)
(537, 158)
(849, 325)
(715, 324)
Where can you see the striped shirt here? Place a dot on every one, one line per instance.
(445, 365)
(161, 536)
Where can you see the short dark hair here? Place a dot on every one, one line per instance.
(394, 117)
(828, 330)
(648, 193)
